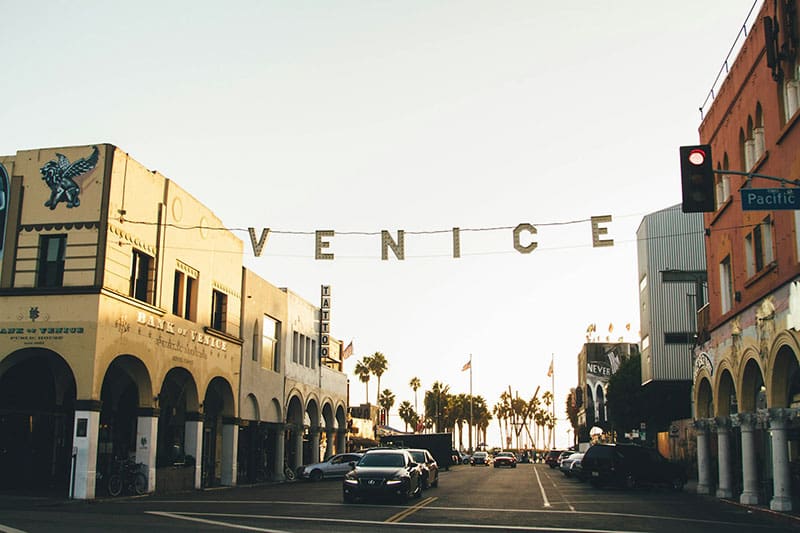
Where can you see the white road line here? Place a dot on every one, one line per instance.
(428, 526)
(541, 488)
(9, 529)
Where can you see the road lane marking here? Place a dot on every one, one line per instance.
(9, 529)
(411, 510)
(541, 488)
(427, 526)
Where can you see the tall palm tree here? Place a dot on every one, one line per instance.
(362, 371)
(415, 384)
(461, 415)
(547, 397)
(436, 404)
(377, 364)
(386, 401)
(407, 414)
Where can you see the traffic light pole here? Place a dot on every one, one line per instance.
(751, 175)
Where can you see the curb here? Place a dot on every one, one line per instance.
(790, 518)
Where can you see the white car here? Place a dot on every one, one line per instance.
(566, 464)
(336, 466)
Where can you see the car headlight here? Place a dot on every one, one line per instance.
(351, 478)
(394, 481)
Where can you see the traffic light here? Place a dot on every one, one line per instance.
(697, 179)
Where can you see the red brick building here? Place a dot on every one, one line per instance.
(746, 376)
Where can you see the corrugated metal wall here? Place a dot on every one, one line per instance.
(668, 240)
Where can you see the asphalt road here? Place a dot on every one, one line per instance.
(527, 498)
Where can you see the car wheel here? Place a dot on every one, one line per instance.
(630, 481)
(435, 482)
(418, 492)
(316, 475)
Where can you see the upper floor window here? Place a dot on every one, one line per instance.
(50, 272)
(142, 277)
(790, 93)
(184, 296)
(723, 183)
(219, 310)
(758, 247)
(726, 285)
(270, 336)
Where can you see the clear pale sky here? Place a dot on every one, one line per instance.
(362, 116)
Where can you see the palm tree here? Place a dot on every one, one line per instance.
(461, 415)
(436, 404)
(386, 401)
(415, 384)
(547, 397)
(377, 364)
(362, 371)
(407, 414)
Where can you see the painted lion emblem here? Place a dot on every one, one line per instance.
(60, 174)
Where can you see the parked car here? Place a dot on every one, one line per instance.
(430, 469)
(551, 459)
(479, 458)
(383, 473)
(505, 459)
(567, 464)
(630, 465)
(336, 466)
(576, 470)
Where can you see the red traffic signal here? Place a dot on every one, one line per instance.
(697, 179)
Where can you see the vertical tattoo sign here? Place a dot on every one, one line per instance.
(4, 190)
(325, 322)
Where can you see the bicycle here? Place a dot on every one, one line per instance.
(128, 476)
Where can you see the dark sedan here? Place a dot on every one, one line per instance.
(383, 473)
(505, 459)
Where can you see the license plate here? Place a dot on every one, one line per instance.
(595, 473)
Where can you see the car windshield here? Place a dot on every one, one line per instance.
(479, 454)
(382, 459)
(505, 454)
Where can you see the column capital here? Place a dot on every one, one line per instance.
(702, 425)
(721, 424)
(746, 421)
(780, 416)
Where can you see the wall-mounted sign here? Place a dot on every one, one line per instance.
(770, 199)
(325, 322)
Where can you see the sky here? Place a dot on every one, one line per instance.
(422, 116)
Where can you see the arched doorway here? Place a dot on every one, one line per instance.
(125, 384)
(37, 404)
(218, 450)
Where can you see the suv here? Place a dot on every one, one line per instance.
(551, 458)
(630, 465)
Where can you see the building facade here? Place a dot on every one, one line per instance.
(746, 378)
(120, 328)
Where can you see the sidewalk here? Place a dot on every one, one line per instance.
(791, 517)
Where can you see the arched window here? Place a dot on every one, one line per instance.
(790, 92)
(749, 146)
(743, 151)
(723, 182)
(758, 134)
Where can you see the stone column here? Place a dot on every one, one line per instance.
(341, 440)
(314, 434)
(781, 479)
(703, 457)
(193, 444)
(146, 439)
(230, 448)
(85, 435)
(330, 434)
(747, 424)
(279, 451)
(723, 425)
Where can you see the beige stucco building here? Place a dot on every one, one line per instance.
(121, 332)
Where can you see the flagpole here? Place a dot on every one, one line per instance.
(553, 389)
(470, 395)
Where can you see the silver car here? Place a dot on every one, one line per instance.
(336, 466)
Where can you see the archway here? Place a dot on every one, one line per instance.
(37, 404)
(727, 402)
(294, 432)
(126, 387)
(178, 396)
(218, 411)
(704, 405)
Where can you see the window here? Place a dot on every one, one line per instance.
(759, 147)
(791, 93)
(184, 296)
(723, 183)
(142, 277)
(296, 347)
(51, 260)
(726, 285)
(758, 247)
(219, 310)
(270, 336)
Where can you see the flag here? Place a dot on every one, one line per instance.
(550, 370)
(347, 351)
(467, 366)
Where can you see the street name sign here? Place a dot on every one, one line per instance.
(770, 199)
